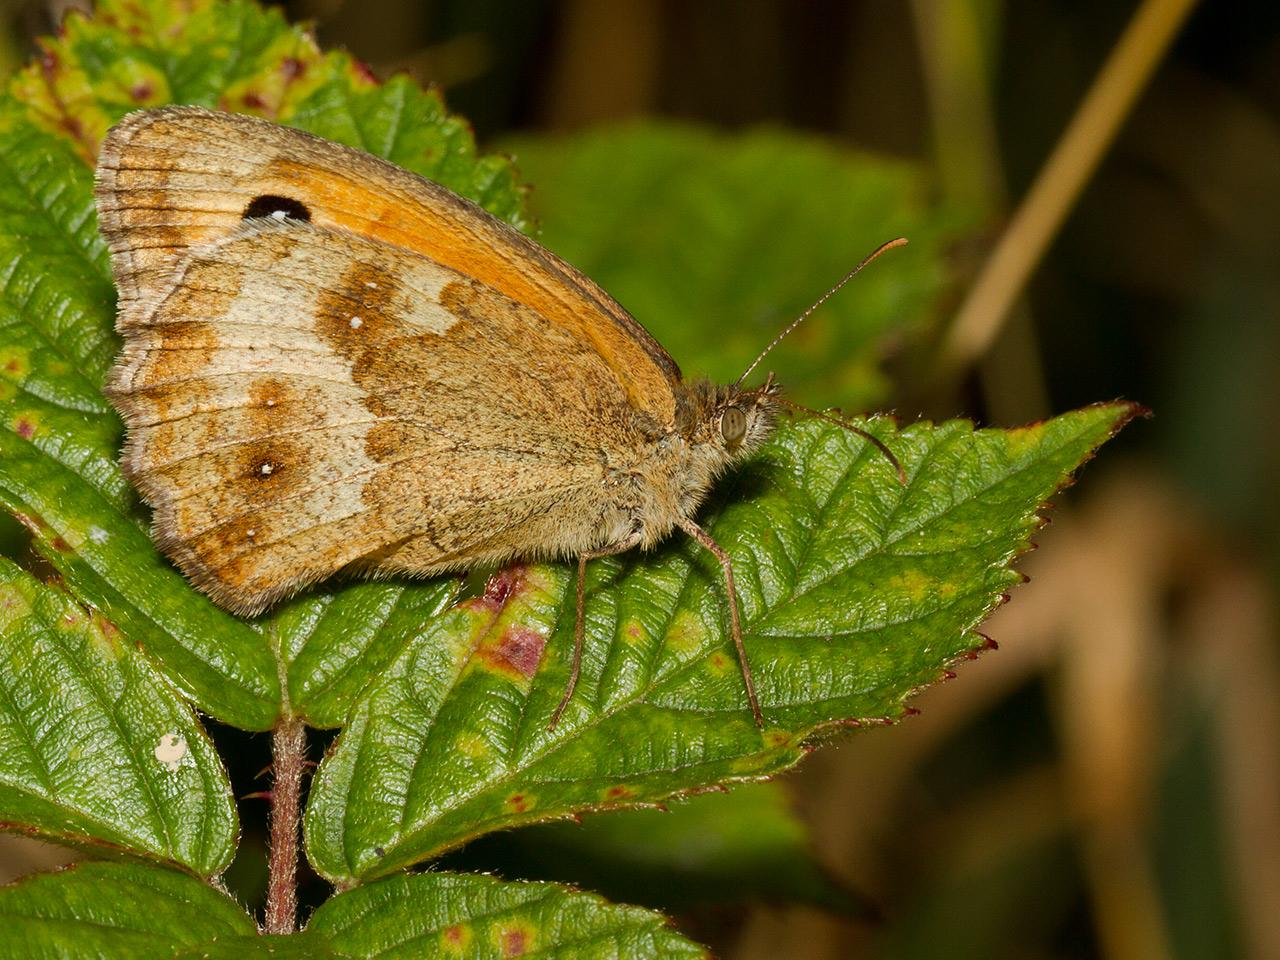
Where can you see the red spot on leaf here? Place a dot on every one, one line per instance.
(517, 803)
(60, 545)
(619, 793)
(292, 68)
(12, 366)
(453, 933)
(633, 631)
(514, 943)
(520, 649)
(365, 72)
(142, 91)
(501, 586)
(24, 428)
(48, 63)
(253, 101)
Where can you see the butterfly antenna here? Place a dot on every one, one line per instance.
(899, 242)
(869, 437)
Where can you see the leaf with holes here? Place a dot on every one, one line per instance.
(58, 435)
(855, 593)
(96, 748)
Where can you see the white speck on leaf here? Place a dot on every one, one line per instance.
(98, 535)
(170, 751)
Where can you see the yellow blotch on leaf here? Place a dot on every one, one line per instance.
(456, 938)
(913, 584)
(15, 363)
(14, 605)
(686, 633)
(515, 938)
(470, 745)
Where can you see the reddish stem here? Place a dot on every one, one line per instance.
(289, 752)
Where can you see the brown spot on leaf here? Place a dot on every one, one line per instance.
(24, 427)
(515, 943)
(619, 792)
(501, 586)
(519, 649)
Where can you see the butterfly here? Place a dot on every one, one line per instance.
(332, 364)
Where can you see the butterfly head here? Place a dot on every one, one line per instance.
(744, 418)
(725, 424)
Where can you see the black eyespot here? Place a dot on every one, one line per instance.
(276, 208)
(733, 425)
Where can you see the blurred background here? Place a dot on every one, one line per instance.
(1092, 188)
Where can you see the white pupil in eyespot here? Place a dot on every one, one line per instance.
(733, 425)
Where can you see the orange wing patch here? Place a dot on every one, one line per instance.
(176, 178)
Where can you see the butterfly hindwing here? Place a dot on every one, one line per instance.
(301, 399)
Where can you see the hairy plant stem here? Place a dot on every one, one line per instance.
(289, 754)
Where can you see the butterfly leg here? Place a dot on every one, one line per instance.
(579, 619)
(735, 622)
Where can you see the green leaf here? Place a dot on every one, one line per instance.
(711, 848)
(59, 436)
(117, 910)
(336, 644)
(716, 241)
(95, 746)
(855, 593)
(449, 915)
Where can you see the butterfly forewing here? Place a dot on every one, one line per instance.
(173, 179)
(301, 399)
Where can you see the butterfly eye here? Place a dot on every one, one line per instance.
(733, 425)
(276, 208)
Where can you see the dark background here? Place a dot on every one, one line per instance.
(1109, 783)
